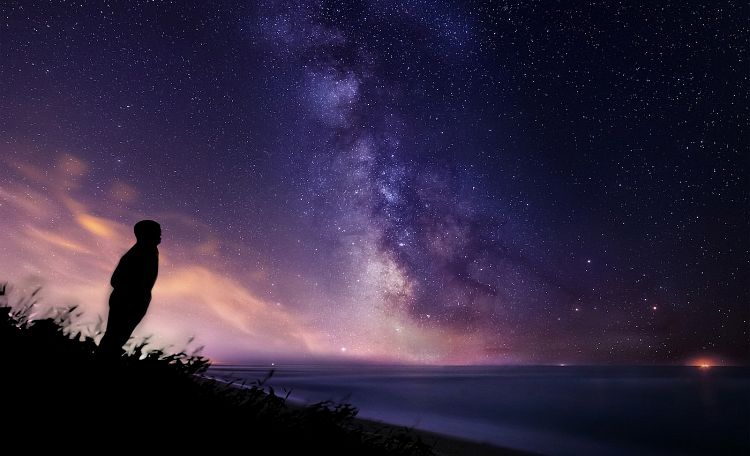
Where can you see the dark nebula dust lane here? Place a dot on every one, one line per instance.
(416, 181)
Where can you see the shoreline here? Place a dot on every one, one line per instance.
(442, 444)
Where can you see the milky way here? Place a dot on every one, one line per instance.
(458, 182)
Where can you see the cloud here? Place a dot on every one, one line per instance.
(57, 239)
(53, 239)
(98, 226)
(65, 171)
(211, 297)
(71, 166)
(120, 192)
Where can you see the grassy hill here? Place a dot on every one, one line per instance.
(53, 388)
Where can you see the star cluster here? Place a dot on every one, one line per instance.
(419, 181)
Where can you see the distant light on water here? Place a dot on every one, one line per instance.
(705, 362)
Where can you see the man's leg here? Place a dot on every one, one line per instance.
(117, 329)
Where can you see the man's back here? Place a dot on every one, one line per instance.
(137, 270)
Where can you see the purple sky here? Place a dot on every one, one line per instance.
(418, 181)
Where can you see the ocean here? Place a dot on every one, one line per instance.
(560, 410)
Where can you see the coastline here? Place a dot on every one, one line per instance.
(443, 445)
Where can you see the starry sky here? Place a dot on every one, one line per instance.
(403, 181)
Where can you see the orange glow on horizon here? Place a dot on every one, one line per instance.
(705, 362)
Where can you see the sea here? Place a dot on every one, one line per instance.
(555, 410)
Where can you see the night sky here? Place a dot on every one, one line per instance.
(417, 181)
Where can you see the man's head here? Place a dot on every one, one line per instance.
(147, 232)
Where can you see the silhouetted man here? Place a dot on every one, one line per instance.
(132, 281)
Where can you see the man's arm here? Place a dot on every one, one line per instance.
(119, 276)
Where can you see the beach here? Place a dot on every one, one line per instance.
(445, 445)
